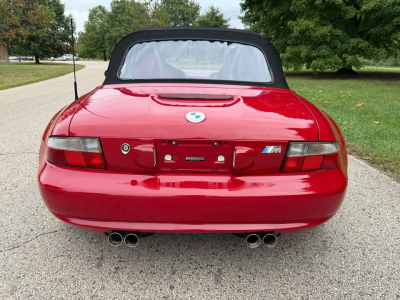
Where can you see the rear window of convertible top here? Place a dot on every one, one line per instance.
(187, 59)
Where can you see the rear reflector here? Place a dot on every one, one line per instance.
(311, 157)
(75, 152)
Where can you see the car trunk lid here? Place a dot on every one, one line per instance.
(240, 124)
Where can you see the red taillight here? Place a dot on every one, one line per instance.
(312, 163)
(330, 161)
(56, 156)
(311, 157)
(293, 164)
(75, 152)
(94, 160)
(75, 158)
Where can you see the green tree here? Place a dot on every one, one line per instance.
(159, 16)
(92, 40)
(181, 12)
(22, 22)
(213, 18)
(124, 17)
(105, 28)
(57, 37)
(43, 27)
(10, 28)
(329, 34)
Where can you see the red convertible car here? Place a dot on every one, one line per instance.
(193, 130)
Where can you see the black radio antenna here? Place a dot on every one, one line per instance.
(73, 60)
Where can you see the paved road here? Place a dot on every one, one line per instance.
(354, 256)
(383, 68)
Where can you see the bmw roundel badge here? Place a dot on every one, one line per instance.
(195, 117)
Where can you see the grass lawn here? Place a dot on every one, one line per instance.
(21, 73)
(366, 108)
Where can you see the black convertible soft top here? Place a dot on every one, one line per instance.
(196, 33)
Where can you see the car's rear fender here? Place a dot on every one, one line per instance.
(59, 125)
(328, 129)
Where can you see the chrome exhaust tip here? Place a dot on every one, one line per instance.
(253, 240)
(115, 239)
(131, 240)
(270, 240)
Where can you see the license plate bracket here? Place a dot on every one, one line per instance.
(204, 156)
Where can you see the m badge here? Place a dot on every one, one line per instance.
(272, 149)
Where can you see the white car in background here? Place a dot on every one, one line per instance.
(65, 57)
(69, 57)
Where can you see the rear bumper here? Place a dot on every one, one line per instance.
(103, 200)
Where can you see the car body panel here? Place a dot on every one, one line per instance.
(196, 199)
(159, 185)
(101, 226)
(135, 111)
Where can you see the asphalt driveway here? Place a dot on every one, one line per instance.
(354, 256)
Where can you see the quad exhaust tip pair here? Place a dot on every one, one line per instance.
(130, 239)
(253, 240)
